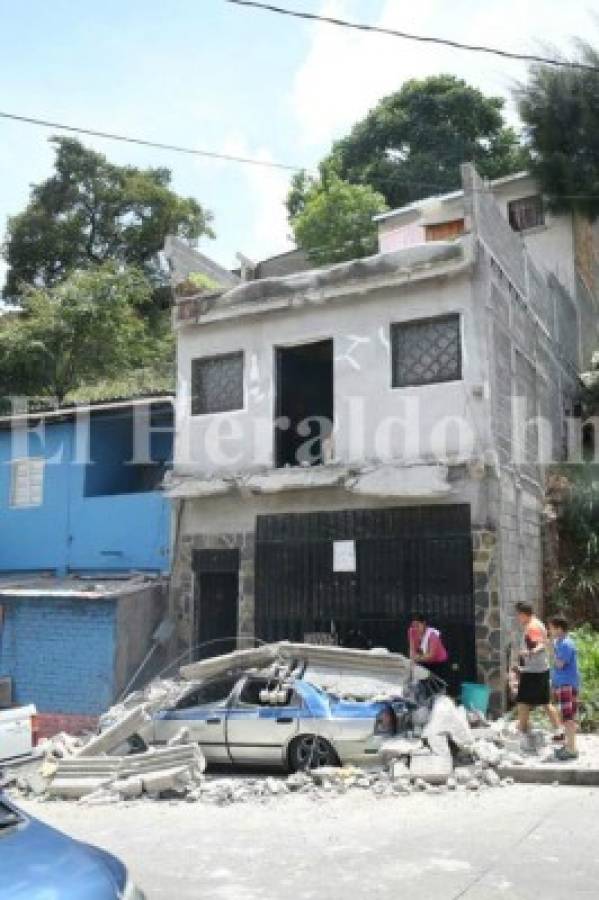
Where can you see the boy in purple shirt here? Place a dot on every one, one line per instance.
(565, 681)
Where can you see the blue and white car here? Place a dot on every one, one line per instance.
(252, 720)
(39, 863)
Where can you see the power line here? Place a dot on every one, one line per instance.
(128, 139)
(425, 39)
(208, 154)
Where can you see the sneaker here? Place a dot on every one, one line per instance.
(565, 755)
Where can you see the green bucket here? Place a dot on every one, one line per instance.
(476, 696)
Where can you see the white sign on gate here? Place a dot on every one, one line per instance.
(344, 556)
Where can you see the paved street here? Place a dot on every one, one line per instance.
(521, 843)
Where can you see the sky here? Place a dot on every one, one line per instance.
(209, 75)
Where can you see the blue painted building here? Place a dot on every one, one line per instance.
(80, 489)
(84, 541)
(70, 645)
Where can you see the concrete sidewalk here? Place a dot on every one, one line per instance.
(543, 768)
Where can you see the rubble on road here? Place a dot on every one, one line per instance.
(174, 771)
(439, 747)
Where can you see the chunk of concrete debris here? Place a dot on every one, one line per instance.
(128, 788)
(448, 719)
(487, 753)
(172, 781)
(398, 747)
(399, 770)
(432, 768)
(176, 769)
(73, 788)
(298, 781)
(181, 737)
(116, 734)
(439, 745)
(491, 778)
(100, 797)
(60, 745)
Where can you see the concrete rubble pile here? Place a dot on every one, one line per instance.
(438, 751)
(173, 771)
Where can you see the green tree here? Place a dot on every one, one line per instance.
(334, 220)
(90, 211)
(73, 333)
(560, 109)
(411, 145)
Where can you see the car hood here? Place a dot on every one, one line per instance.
(39, 863)
(356, 709)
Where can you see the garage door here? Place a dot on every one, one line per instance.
(397, 561)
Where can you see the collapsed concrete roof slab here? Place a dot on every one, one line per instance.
(344, 659)
(238, 660)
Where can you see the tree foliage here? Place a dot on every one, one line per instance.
(333, 220)
(90, 211)
(412, 144)
(85, 328)
(560, 109)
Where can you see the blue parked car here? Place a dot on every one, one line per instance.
(39, 863)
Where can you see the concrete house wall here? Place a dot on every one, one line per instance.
(359, 327)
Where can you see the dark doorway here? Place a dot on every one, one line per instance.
(304, 404)
(407, 560)
(216, 601)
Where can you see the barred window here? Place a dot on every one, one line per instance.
(426, 352)
(217, 384)
(527, 212)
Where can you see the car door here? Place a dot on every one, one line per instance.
(203, 711)
(258, 732)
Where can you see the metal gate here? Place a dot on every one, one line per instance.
(408, 559)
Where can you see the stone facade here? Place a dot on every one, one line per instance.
(488, 612)
(185, 596)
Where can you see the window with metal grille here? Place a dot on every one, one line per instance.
(426, 352)
(27, 483)
(217, 384)
(527, 212)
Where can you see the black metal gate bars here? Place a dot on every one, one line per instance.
(407, 559)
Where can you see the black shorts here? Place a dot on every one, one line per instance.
(534, 689)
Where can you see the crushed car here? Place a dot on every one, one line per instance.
(263, 720)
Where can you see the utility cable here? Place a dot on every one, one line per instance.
(128, 139)
(425, 39)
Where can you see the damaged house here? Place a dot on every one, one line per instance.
(360, 442)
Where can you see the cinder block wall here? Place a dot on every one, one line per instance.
(74, 655)
(59, 652)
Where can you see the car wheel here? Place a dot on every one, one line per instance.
(310, 752)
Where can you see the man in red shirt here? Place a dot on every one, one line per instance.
(426, 647)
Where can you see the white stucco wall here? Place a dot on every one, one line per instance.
(368, 412)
